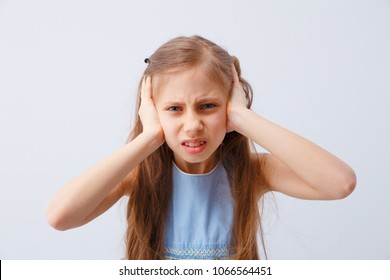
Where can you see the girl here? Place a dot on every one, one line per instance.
(188, 170)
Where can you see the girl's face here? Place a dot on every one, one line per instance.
(192, 112)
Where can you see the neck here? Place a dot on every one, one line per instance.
(197, 167)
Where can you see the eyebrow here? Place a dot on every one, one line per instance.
(198, 101)
(209, 99)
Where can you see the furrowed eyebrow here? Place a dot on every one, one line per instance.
(200, 100)
(209, 99)
(171, 103)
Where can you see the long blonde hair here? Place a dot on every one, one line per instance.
(150, 188)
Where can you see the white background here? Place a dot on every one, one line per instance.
(68, 77)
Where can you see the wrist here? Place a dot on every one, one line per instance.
(238, 119)
(154, 139)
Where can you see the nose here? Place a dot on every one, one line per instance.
(192, 123)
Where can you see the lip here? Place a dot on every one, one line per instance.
(194, 149)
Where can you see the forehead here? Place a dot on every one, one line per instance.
(187, 84)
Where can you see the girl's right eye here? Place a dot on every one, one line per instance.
(174, 109)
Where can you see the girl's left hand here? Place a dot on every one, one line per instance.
(236, 104)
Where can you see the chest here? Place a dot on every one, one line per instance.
(200, 216)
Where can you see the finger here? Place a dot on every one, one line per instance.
(148, 87)
(236, 80)
(142, 87)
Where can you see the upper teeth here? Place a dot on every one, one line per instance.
(194, 144)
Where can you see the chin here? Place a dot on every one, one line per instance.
(192, 158)
(199, 158)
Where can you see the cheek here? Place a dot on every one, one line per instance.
(168, 125)
(219, 121)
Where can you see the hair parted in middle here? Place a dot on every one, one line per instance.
(149, 185)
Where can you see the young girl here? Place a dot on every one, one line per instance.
(193, 183)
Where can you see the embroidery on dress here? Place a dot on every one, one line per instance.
(197, 253)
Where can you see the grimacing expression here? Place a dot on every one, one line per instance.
(192, 112)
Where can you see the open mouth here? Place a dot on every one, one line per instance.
(194, 144)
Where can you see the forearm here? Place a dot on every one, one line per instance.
(77, 199)
(314, 165)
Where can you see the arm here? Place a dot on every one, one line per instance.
(295, 166)
(99, 187)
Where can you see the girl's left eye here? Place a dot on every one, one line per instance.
(208, 106)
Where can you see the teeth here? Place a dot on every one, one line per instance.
(192, 145)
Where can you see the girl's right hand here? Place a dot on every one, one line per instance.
(96, 189)
(148, 113)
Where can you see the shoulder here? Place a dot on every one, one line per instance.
(277, 176)
(119, 191)
(125, 186)
(122, 188)
(260, 164)
(270, 170)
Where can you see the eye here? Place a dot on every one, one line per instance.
(174, 109)
(208, 106)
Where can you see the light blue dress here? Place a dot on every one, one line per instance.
(200, 217)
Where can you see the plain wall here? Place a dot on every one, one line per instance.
(68, 77)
